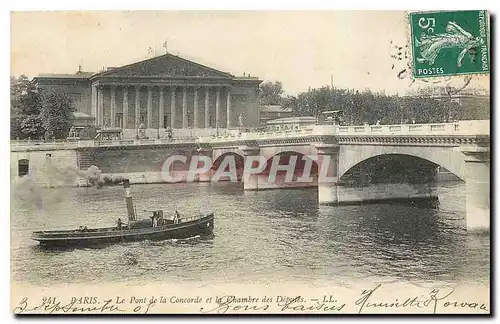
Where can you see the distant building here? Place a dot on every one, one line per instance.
(160, 92)
(474, 103)
(270, 112)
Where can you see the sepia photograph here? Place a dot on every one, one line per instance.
(250, 162)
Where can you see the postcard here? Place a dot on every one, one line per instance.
(250, 162)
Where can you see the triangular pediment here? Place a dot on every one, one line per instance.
(167, 65)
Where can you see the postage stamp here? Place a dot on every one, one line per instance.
(450, 43)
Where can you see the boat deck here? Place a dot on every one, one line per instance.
(108, 232)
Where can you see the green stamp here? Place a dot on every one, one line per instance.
(450, 43)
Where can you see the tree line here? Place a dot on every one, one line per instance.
(359, 107)
(38, 114)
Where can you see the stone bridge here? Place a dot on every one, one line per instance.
(413, 152)
(366, 163)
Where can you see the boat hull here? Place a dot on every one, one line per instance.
(106, 236)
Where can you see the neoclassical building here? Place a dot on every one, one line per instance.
(164, 91)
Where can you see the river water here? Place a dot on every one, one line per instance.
(260, 237)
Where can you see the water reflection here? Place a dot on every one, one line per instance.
(300, 203)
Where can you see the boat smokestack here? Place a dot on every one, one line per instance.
(129, 200)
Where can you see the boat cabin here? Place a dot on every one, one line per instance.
(157, 218)
(157, 214)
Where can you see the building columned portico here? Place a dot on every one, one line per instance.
(181, 106)
(164, 91)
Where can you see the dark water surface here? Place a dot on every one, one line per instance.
(262, 237)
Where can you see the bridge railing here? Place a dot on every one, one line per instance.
(61, 145)
(144, 141)
(270, 134)
(467, 127)
(39, 144)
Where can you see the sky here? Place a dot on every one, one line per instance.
(301, 49)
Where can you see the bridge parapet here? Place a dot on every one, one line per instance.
(19, 146)
(462, 129)
(467, 127)
(314, 130)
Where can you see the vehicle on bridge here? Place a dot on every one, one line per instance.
(332, 117)
(290, 123)
(156, 228)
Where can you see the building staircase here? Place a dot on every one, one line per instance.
(85, 159)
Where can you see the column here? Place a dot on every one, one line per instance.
(217, 107)
(125, 107)
(137, 106)
(112, 106)
(328, 173)
(172, 107)
(229, 117)
(100, 105)
(477, 187)
(94, 103)
(195, 108)
(161, 111)
(150, 107)
(251, 180)
(207, 103)
(184, 108)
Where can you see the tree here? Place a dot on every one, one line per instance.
(57, 114)
(360, 107)
(31, 126)
(271, 93)
(25, 103)
(15, 126)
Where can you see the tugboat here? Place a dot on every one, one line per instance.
(155, 228)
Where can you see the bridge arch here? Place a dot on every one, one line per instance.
(269, 152)
(449, 158)
(300, 164)
(239, 162)
(217, 153)
(391, 168)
